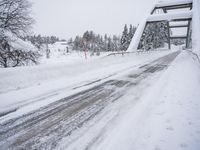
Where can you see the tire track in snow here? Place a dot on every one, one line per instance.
(45, 127)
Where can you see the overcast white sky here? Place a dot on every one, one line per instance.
(67, 18)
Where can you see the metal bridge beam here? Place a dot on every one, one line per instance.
(171, 17)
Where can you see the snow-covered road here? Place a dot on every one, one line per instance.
(48, 126)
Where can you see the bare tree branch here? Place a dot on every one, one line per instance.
(15, 18)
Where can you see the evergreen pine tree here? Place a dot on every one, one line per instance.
(130, 34)
(124, 39)
(154, 36)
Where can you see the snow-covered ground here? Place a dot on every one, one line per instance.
(134, 101)
(158, 111)
(163, 116)
(49, 82)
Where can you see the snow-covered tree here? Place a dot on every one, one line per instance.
(116, 42)
(16, 52)
(77, 43)
(15, 22)
(96, 42)
(154, 36)
(15, 16)
(124, 39)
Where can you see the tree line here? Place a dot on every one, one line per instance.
(91, 41)
(39, 40)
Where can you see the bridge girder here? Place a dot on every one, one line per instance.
(185, 16)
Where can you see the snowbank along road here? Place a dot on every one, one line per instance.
(47, 126)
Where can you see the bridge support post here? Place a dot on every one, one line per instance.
(168, 38)
(188, 34)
